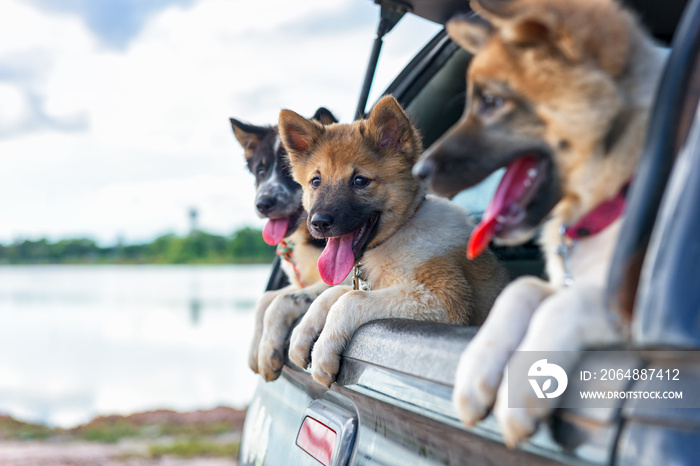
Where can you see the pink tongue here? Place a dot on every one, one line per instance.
(274, 230)
(337, 259)
(510, 189)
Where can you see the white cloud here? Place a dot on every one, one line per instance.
(13, 109)
(158, 138)
(25, 28)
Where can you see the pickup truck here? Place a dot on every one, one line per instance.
(391, 403)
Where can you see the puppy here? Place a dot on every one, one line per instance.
(278, 198)
(559, 94)
(406, 248)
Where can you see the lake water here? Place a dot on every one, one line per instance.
(79, 341)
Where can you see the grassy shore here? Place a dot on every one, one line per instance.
(244, 246)
(147, 436)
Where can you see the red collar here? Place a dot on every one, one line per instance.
(601, 217)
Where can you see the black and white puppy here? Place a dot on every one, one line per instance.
(278, 198)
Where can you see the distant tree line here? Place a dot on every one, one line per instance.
(243, 246)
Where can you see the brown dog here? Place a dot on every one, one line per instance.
(408, 248)
(559, 94)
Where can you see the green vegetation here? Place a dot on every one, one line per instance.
(109, 432)
(209, 433)
(13, 429)
(243, 246)
(194, 448)
(112, 429)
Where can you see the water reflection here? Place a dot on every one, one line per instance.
(80, 341)
(195, 302)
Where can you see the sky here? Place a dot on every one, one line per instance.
(114, 113)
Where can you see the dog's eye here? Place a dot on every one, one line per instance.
(360, 181)
(315, 182)
(489, 102)
(260, 171)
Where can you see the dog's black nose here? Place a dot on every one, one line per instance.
(322, 222)
(424, 169)
(265, 205)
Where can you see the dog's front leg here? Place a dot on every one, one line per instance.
(305, 334)
(482, 363)
(279, 318)
(260, 309)
(356, 308)
(572, 319)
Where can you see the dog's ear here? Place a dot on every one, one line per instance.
(297, 133)
(471, 32)
(529, 24)
(249, 136)
(538, 28)
(600, 32)
(496, 9)
(389, 127)
(324, 116)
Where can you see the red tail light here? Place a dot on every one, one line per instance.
(317, 439)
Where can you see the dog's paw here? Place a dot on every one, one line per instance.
(279, 319)
(325, 361)
(340, 326)
(518, 423)
(476, 384)
(303, 338)
(483, 362)
(253, 356)
(260, 312)
(270, 359)
(473, 395)
(307, 332)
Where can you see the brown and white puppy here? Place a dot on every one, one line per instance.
(278, 198)
(362, 198)
(559, 94)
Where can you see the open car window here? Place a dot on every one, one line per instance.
(432, 89)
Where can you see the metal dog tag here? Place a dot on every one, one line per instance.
(357, 282)
(564, 251)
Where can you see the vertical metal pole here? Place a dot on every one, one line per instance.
(388, 17)
(371, 68)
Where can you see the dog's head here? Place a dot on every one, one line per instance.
(544, 101)
(356, 178)
(277, 196)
